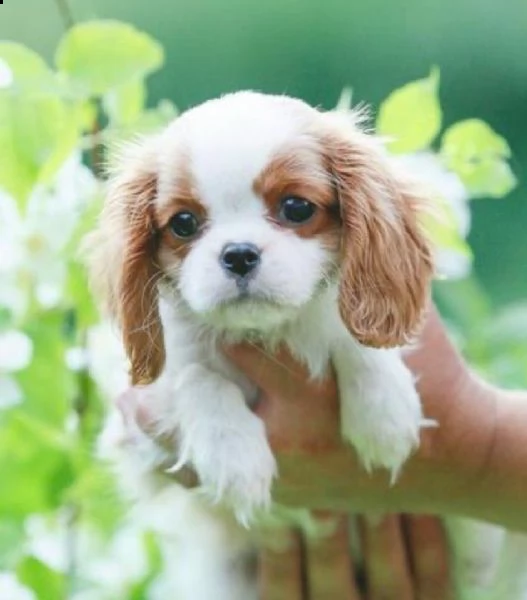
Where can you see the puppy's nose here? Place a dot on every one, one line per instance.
(240, 259)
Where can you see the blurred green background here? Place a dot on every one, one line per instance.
(312, 49)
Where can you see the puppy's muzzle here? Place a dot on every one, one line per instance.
(240, 259)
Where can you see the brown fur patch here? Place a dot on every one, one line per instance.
(386, 263)
(124, 270)
(299, 173)
(140, 321)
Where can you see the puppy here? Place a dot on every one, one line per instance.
(258, 217)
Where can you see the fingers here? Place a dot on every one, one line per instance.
(280, 572)
(428, 549)
(386, 566)
(133, 405)
(329, 565)
(263, 367)
(287, 395)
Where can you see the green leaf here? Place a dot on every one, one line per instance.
(35, 466)
(411, 115)
(149, 121)
(508, 326)
(473, 150)
(98, 56)
(96, 491)
(78, 294)
(139, 589)
(465, 302)
(48, 385)
(47, 583)
(12, 537)
(38, 131)
(87, 114)
(124, 104)
(29, 70)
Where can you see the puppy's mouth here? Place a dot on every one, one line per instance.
(249, 312)
(246, 298)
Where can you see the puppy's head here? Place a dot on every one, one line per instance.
(243, 209)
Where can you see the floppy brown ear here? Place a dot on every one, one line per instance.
(386, 264)
(122, 263)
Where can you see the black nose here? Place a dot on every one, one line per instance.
(240, 259)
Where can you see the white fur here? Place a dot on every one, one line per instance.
(290, 299)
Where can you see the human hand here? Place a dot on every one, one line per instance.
(317, 469)
(401, 558)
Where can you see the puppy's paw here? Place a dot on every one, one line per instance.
(382, 418)
(236, 467)
(224, 442)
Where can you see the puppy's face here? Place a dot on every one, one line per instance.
(244, 208)
(247, 212)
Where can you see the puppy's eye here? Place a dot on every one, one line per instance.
(296, 210)
(184, 224)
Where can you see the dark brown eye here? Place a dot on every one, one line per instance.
(296, 210)
(184, 224)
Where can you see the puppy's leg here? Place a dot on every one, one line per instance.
(380, 408)
(223, 440)
(207, 556)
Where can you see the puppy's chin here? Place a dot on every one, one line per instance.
(246, 316)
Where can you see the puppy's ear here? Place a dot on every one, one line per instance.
(122, 261)
(386, 260)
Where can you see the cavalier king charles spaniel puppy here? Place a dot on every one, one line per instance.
(259, 217)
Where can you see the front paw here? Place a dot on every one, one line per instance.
(225, 443)
(235, 467)
(382, 418)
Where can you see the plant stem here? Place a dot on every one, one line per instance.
(72, 518)
(65, 13)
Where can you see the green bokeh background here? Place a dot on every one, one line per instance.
(313, 48)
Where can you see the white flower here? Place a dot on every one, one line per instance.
(12, 589)
(76, 359)
(53, 213)
(107, 361)
(122, 563)
(10, 392)
(31, 243)
(46, 541)
(6, 75)
(427, 170)
(451, 264)
(16, 350)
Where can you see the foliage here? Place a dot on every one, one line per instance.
(59, 513)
